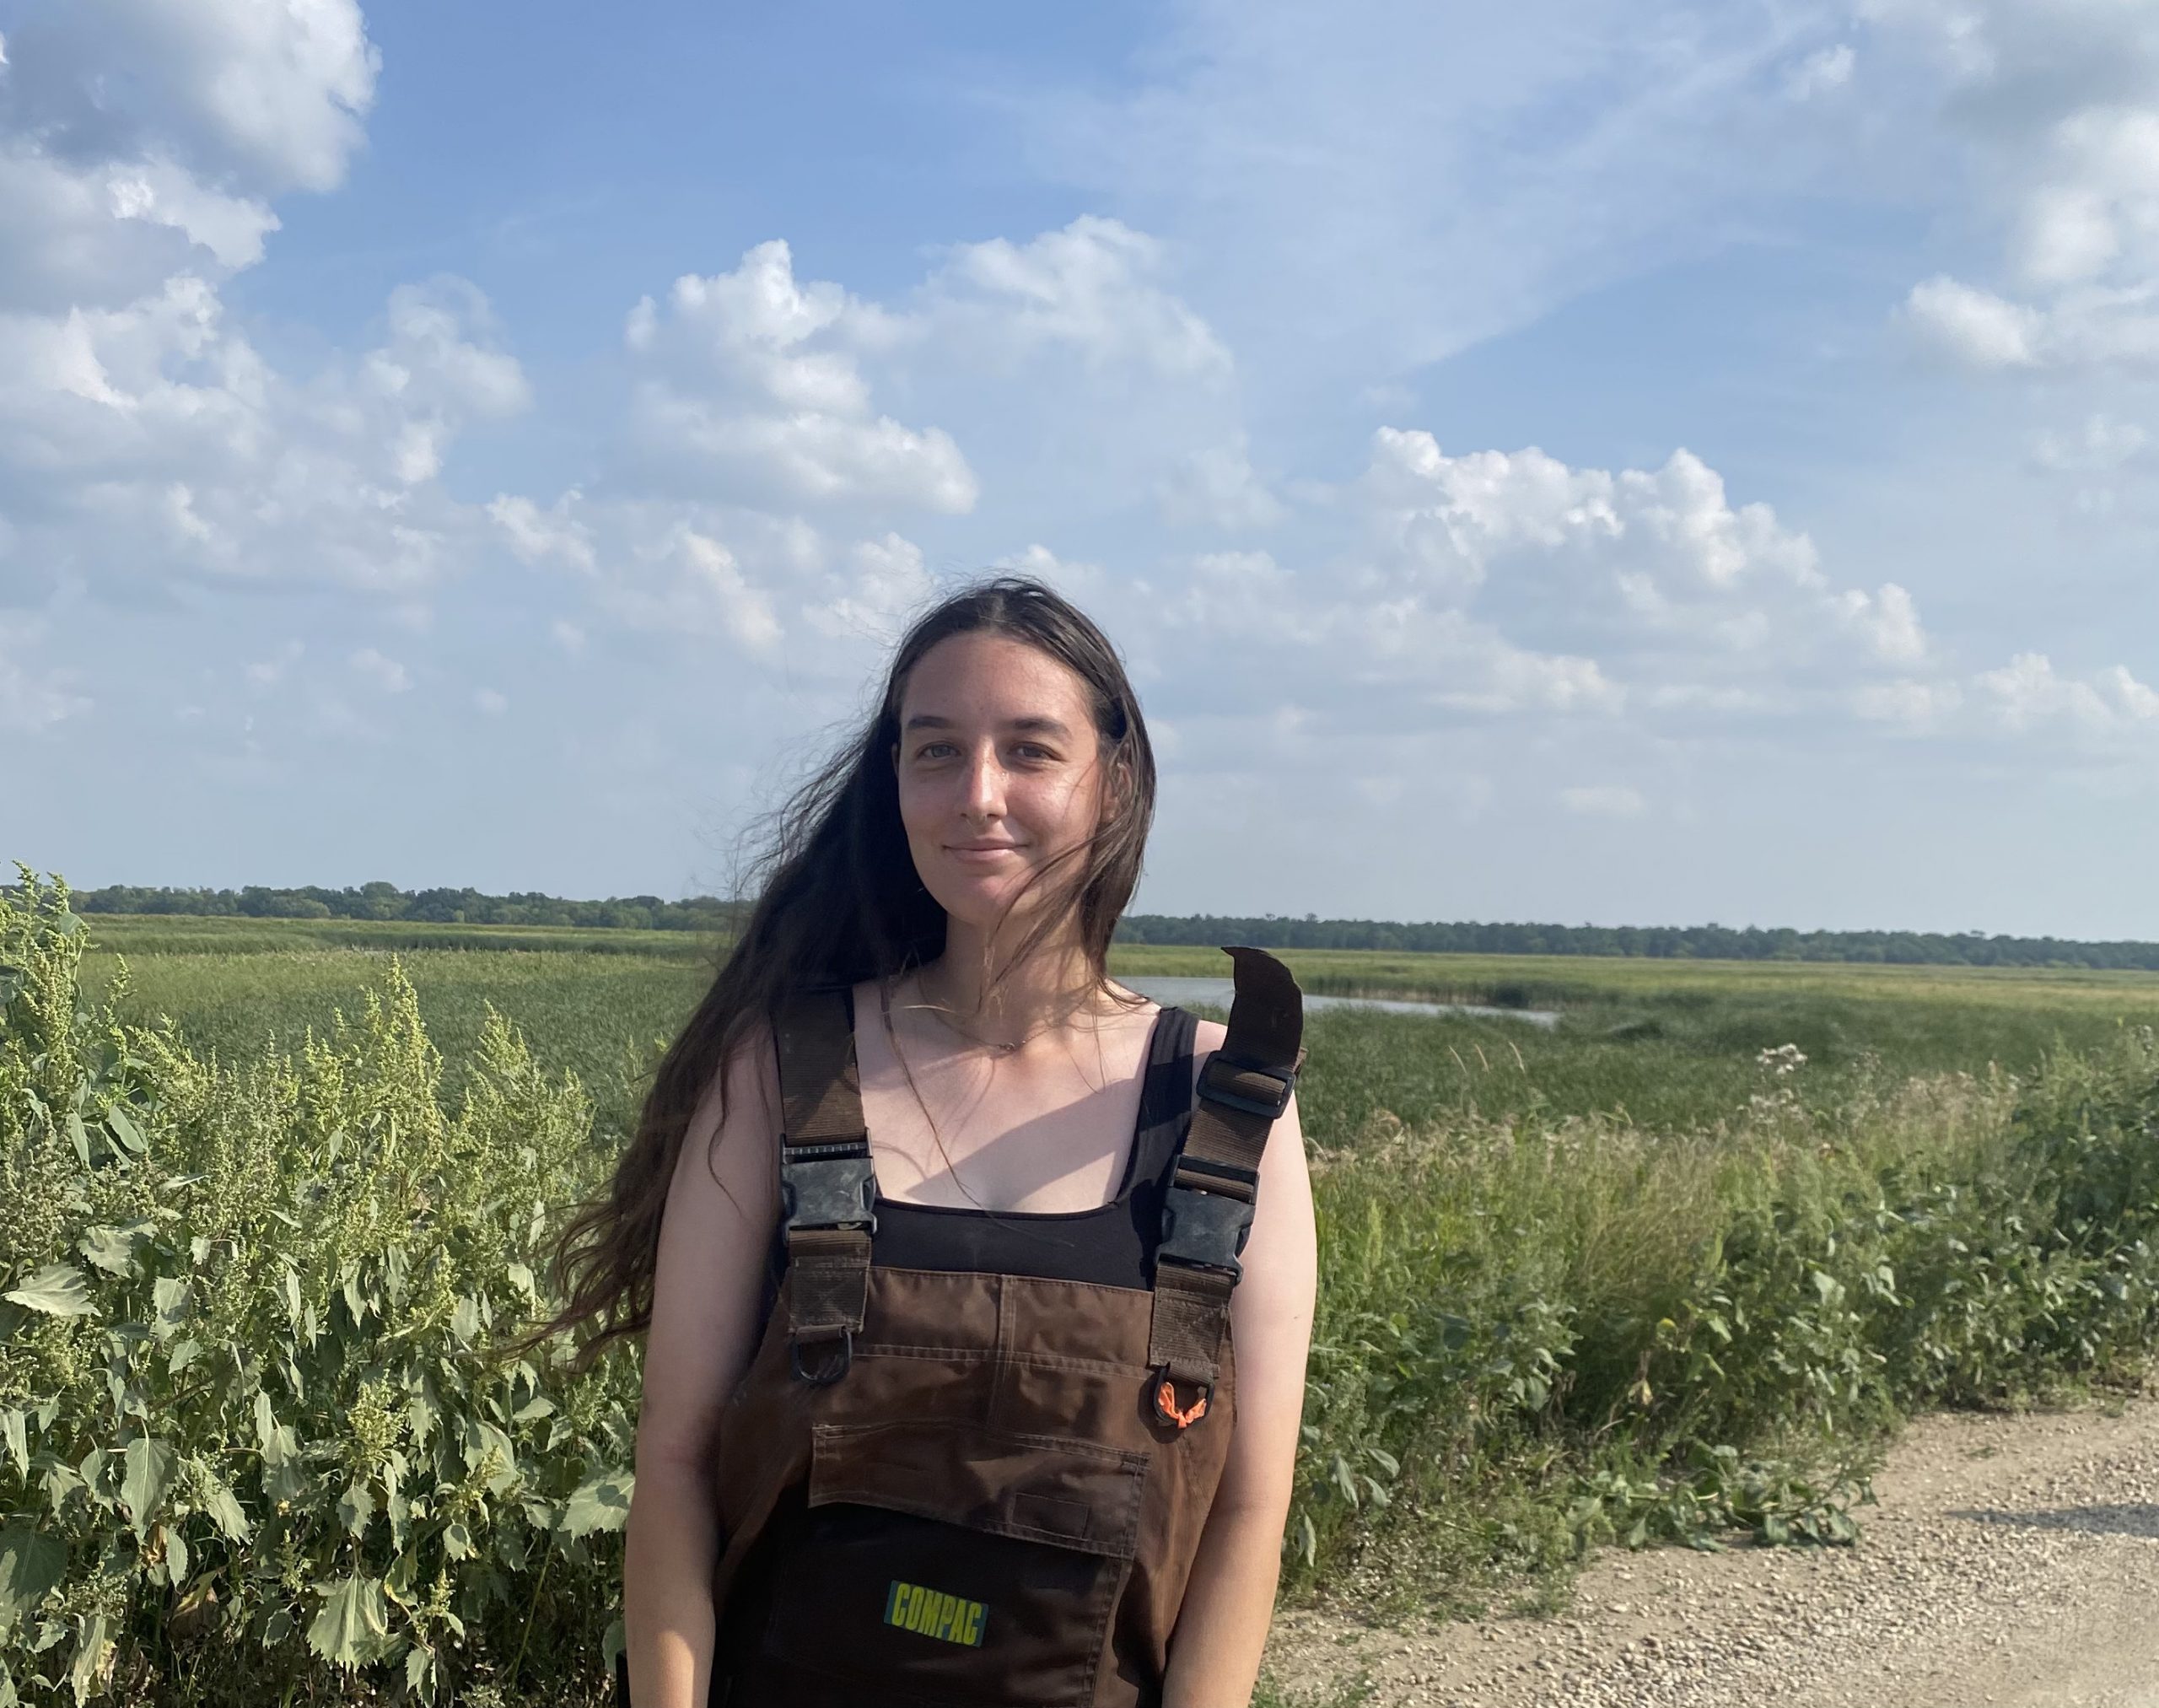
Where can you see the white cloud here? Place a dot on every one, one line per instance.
(2027, 693)
(1887, 620)
(155, 435)
(383, 674)
(1974, 326)
(273, 94)
(2100, 445)
(554, 535)
(267, 673)
(884, 584)
(491, 701)
(32, 698)
(1216, 488)
(139, 141)
(752, 379)
(1604, 800)
(1822, 73)
(1913, 705)
(2060, 103)
(141, 434)
(1089, 288)
(1076, 580)
(1653, 567)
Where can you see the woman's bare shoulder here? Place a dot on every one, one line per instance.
(1208, 1036)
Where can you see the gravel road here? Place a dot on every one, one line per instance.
(2012, 1561)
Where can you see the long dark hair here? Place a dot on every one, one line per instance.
(838, 901)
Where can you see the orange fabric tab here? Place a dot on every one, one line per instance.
(1166, 1402)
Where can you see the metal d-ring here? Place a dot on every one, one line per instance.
(824, 1377)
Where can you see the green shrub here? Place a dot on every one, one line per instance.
(1532, 1339)
(253, 1436)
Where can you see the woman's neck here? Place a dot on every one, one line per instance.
(1004, 1003)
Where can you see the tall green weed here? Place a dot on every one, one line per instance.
(254, 1444)
(1532, 1337)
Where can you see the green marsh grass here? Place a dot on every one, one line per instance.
(1617, 1282)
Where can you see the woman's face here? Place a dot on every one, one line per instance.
(1000, 773)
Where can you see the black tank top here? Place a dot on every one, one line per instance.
(1112, 1245)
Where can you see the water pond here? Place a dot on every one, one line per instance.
(1216, 993)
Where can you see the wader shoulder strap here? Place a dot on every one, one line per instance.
(1206, 1212)
(827, 1188)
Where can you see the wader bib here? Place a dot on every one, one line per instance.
(971, 1490)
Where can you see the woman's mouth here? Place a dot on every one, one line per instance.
(982, 852)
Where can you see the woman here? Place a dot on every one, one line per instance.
(935, 1413)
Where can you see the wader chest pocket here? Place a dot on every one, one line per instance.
(956, 1563)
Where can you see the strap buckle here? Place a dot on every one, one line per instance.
(1205, 1230)
(828, 1185)
(1237, 1100)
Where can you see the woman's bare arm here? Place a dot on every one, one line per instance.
(1228, 1602)
(706, 1292)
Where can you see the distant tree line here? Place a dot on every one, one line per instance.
(1711, 942)
(439, 907)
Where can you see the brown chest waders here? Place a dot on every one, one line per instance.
(989, 1487)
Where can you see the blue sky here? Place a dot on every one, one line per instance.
(1648, 463)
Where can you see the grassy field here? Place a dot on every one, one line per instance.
(1665, 1044)
(1616, 1281)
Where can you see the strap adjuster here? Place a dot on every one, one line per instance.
(828, 1186)
(1205, 1230)
(1272, 1109)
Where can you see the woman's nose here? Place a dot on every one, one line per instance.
(985, 785)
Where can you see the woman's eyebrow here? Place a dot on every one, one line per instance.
(1036, 724)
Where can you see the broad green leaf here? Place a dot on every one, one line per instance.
(600, 1502)
(148, 1476)
(171, 1297)
(533, 1408)
(78, 1135)
(58, 1290)
(83, 1677)
(356, 1506)
(125, 1129)
(483, 1438)
(420, 1673)
(218, 1501)
(16, 1439)
(31, 1563)
(465, 1320)
(59, 1481)
(282, 1475)
(612, 1645)
(356, 1304)
(353, 1627)
(176, 1557)
(112, 1249)
(457, 1540)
